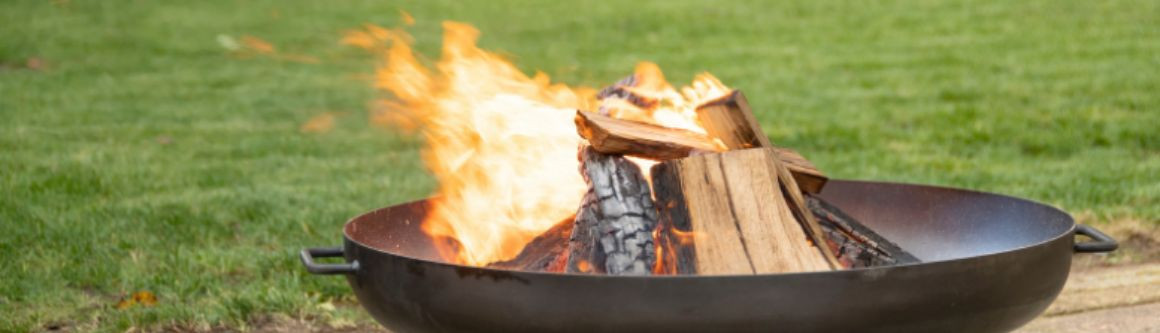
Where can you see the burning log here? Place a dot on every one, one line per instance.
(548, 252)
(621, 91)
(734, 207)
(721, 213)
(613, 232)
(855, 245)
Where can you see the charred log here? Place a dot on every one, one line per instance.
(621, 90)
(613, 232)
(855, 245)
(548, 252)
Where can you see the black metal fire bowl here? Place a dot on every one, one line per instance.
(991, 263)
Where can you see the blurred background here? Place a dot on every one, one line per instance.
(162, 161)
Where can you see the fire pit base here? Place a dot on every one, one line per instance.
(990, 263)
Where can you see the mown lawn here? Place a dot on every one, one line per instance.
(137, 153)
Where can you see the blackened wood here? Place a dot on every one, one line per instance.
(620, 101)
(621, 90)
(856, 245)
(613, 232)
(548, 252)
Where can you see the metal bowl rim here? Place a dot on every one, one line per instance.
(869, 270)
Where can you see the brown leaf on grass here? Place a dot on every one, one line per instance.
(34, 63)
(407, 19)
(141, 298)
(318, 124)
(257, 44)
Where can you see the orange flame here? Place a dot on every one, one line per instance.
(502, 145)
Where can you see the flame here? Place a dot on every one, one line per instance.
(502, 145)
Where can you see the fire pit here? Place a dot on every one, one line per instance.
(647, 207)
(990, 263)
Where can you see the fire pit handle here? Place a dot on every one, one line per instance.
(1102, 242)
(309, 254)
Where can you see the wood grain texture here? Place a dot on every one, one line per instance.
(808, 177)
(730, 120)
(614, 136)
(732, 205)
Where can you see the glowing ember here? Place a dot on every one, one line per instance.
(501, 144)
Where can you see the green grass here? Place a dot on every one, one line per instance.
(143, 156)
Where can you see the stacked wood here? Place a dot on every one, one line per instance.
(732, 205)
(727, 202)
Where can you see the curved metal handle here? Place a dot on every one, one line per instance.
(1102, 242)
(309, 254)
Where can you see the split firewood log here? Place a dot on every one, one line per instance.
(617, 136)
(613, 231)
(733, 207)
(624, 137)
(730, 120)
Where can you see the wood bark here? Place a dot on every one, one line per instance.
(548, 252)
(855, 245)
(732, 206)
(613, 231)
(730, 120)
